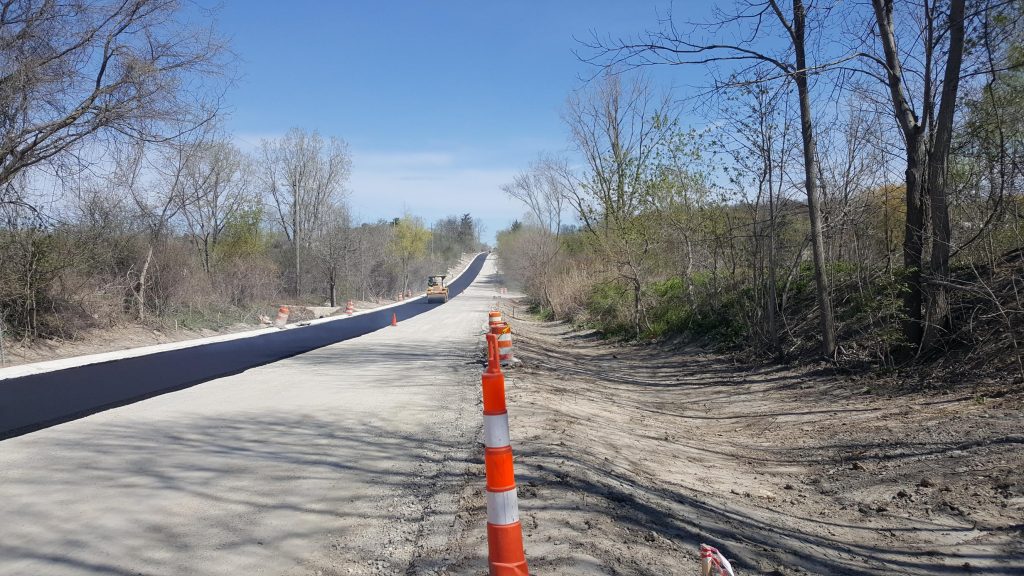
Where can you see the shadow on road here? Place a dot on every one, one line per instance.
(256, 490)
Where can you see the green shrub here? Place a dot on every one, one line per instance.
(670, 314)
(542, 312)
(609, 308)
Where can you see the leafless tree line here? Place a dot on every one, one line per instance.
(861, 168)
(123, 199)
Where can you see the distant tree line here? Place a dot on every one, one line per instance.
(122, 199)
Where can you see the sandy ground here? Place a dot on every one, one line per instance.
(98, 340)
(629, 457)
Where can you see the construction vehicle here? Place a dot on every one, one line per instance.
(437, 291)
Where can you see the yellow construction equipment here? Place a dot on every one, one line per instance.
(436, 289)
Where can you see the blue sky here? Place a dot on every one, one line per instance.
(441, 102)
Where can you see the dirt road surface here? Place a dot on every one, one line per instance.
(630, 456)
(346, 460)
(365, 458)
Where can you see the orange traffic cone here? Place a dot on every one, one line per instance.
(504, 335)
(282, 317)
(505, 553)
(394, 319)
(493, 319)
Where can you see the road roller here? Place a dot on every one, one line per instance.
(437, 291)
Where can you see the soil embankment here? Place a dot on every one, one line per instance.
(627, 457)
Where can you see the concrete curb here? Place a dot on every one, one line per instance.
(39, 395)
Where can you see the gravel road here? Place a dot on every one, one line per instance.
(350, 459)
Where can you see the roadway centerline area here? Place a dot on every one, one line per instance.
(326, 462)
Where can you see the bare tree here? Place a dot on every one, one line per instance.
(618, 129)
(927, 134)
(333, 248)
(371, 248)
(152, 179)
(77, 70)
(543, 188)
(750, 22)
(759, 139)
(303, 174)
(214, 186)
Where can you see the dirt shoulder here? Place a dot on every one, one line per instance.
(628, 457)
(99, 340)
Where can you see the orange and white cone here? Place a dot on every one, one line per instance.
(349, 308)
(505, 553)
(282, 317)
(394, 319)
(504, 336)
(493, 319)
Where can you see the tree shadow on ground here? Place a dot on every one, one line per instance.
(226, 496)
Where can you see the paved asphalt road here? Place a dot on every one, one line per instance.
(345, 460)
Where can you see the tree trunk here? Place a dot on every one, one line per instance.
(773, 297)
(296, 252)
(333, 286)
(887, 221)
(913, 242)
(914, 135)
(688, 270)
(828, 341)
(298, 269)
(938, 305)
(206, 253)
(30, 292)
(140, 292)
(636, 306)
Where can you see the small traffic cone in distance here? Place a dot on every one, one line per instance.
(394, 319)
(282, 317)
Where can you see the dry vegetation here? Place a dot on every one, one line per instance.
(872, 218)
(123, 201)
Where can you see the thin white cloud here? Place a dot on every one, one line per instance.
(382, 192)
(250, 141)
(403, 160)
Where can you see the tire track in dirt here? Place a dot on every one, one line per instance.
(629, 456)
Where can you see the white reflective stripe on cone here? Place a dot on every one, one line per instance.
(502, 507)
(496, 431)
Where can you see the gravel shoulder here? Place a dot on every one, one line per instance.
(628, 457)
